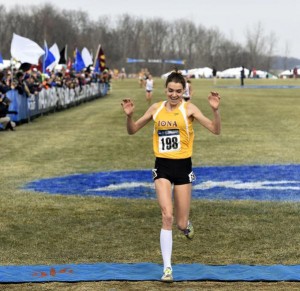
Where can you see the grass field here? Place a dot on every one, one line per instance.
(259, 126)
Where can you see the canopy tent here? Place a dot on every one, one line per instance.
(194, 73)
(263, 75)
(201, 72)
(289, 73)
(233, 73)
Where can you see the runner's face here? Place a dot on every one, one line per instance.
(174, 92)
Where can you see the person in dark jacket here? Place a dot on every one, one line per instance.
(5, 120)
(242, 75)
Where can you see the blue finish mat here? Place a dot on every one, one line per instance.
(146, 272)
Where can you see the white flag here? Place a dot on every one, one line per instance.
(25, 50)
(86, 56)
(55, 51)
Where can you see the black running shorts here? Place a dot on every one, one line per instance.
(177, 171)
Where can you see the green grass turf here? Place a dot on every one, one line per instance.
(259, 126)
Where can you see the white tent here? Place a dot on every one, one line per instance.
(233, 73)
(195, 73)
(263, 75)
(165, 76)
(288, 73)
(228, 73)
(201, 72)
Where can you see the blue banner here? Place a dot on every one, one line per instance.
(49, 99)
(129, 60)
(177, 62)
(156, 61)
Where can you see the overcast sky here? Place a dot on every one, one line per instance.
(232, 17)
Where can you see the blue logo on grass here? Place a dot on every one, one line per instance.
(273, 182)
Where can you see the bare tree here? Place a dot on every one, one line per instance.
(286, 55)
(184, 33)
(5, 35)
(128, 36)
(259, 47)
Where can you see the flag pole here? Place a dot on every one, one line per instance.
(97, 55)
(45, 56)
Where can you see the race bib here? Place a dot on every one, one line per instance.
(169, 140)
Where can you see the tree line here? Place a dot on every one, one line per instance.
(127, 36)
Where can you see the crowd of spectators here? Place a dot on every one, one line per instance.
(32, 81)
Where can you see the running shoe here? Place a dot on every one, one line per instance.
(167, 276)
(189, 231)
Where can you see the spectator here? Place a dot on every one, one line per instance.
(295, 73)
(19, 84)
(4, 82)
(242, 75)
(47, 82)
(34, 86)
(4, 119)
(214, 74)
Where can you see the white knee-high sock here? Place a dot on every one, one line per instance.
(166, 243)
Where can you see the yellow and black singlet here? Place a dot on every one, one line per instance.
(173, 134)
